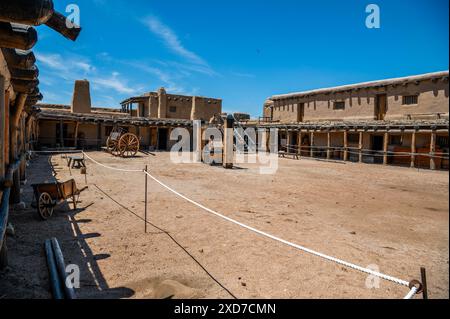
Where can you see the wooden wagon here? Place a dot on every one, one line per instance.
(48, 196)
(122, 143)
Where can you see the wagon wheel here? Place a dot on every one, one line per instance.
(128, 145)
(45, 206)
(112, 146)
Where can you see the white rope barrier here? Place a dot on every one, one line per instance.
(113, 168)
(411, 294)
(398, 281)
(310, 251)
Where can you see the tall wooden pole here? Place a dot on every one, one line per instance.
(328, 145)
(413, 150)
(360, 146)
(61, 133)
(385, 148)
(300, 143)
(77, 124)
(432, 150)
(2, 126)
(312, 144)
(345, 146)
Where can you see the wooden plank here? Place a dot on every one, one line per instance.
(328, 145)
(2, 126)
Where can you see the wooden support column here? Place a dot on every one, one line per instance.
(413, 150)
(345, 146)
(77, 124)
(300, 143)
(61, 133)
(312, 145)
(360, 146)
(328, 145)
(385, 148)
(288, 142)
(433, 150)
(2, 127)
(99, 135)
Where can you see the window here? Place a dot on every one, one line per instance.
(339, 105)
(410, 99)
(108, 130)
(173, 109)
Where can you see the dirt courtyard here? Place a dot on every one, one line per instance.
(393, 218)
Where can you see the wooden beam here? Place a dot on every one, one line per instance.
(413, 150)
(61, 133)
(300, 143)
(385, 148)
(360, 146)
(3, 140)
(328, 145)
(345, 146)
(433, 151)
(77, 124)
(312, 144)
(17, 36)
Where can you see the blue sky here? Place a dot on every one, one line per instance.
(240, 51)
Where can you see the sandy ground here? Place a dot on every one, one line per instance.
(394, 218)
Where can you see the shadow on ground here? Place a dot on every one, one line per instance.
(27, 274)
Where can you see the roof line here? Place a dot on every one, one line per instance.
(424, 76)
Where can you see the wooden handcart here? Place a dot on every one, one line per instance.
(48, 196)
(123, 144)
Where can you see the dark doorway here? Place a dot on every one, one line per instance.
(162, 139)
(380, 107)
(377, 142)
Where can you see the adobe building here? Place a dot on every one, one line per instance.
(402, 121)
(162, 105)
(152, 117)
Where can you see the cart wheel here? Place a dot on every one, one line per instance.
(45, 206)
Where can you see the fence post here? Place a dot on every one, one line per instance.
(146, 187)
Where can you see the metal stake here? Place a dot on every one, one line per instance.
(423, 273)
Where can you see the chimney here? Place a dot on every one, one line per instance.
(81, 100)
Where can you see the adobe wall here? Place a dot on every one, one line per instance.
(81, 99)
(360, 104)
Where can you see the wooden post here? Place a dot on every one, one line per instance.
(300, 143)
(77, 124)
(2, 126)
(197, 141)
(312, 144)
(228, 150)
(360, 146)
(99, 135)
(288, 142)
(385, 148)
(345, 146)
(433, 150)
(61, 133)
(413, 150)
(328, 145)
(146, 190)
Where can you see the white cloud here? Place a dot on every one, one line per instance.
(171, 40)
(116, 83)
